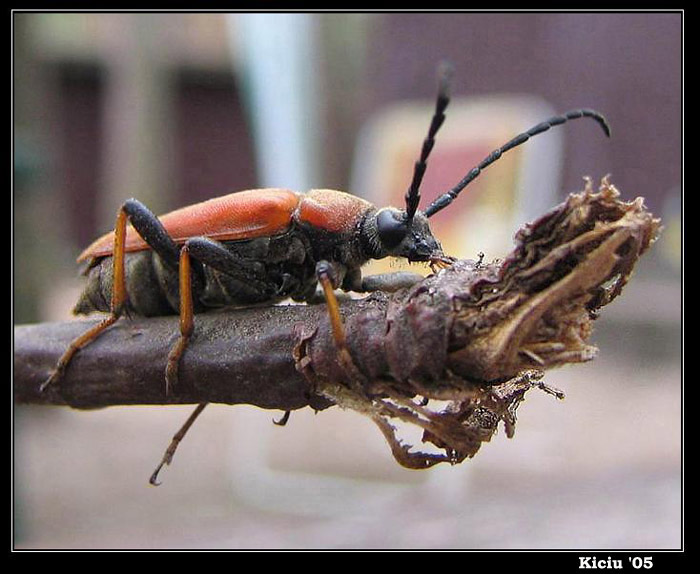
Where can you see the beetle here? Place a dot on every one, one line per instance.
(263, 246)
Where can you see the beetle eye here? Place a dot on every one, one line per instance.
(391, 228)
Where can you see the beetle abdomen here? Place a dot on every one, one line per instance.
(269, 269)
(147, 294)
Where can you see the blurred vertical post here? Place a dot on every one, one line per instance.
(276, 57)
(135, 117)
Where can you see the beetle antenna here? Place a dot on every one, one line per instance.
(443, 99)
(444, 200)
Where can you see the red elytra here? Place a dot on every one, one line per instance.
(246, 215)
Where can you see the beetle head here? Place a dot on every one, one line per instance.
(391, 232)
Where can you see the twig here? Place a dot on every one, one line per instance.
(478, 335)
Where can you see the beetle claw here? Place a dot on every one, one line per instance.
(53, 377)
(282, 421)
(440, 261)
(154, 477)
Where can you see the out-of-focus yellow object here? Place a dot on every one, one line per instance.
(521, 184)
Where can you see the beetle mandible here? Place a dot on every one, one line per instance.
(266, 245)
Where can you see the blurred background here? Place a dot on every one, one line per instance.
(175, 108)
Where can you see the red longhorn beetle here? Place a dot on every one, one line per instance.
(264, 245)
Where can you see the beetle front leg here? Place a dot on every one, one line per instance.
(328, 281)
(215, 255)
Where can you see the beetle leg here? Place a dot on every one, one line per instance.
(174, 443)
(186, 319)
(216, 256)
(324, 273)
(117, 305)
(283, 421)
(152, 230)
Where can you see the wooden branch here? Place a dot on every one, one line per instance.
(239, 356)
(476, 334)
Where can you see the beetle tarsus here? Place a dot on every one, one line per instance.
(74, 347)
(172, 368)
(283, 421)
(175, 442)
(440, 261)
(154, 477)
(55, 376)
